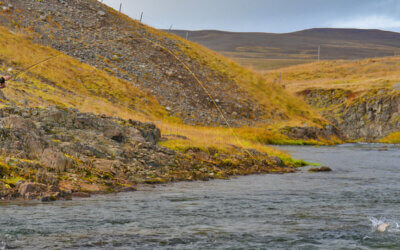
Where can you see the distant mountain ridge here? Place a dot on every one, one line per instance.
(298, 47)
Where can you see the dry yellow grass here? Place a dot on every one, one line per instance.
(392, 138)
(362, 78)
(66, 82)
(71, 83)
(281, 106)
(357, 76)
(269, 64)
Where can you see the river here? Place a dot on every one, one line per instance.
(304, 210)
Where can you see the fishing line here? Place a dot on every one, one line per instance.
(171, 53)
(205, 90)
(55, 56)
(34, 65)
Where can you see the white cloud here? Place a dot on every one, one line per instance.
(367, 22)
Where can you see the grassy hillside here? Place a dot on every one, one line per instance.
(80, 152)
(161, 64)
(216, 117)
(66, 82)
(361, 97)
(357, 76)
(171, 79)
(270, 51)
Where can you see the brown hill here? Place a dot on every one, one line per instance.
(267, 50)
(161, 65)
(154, 61)
(114, 75)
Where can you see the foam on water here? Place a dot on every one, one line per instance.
(393, 226)
(293, 211)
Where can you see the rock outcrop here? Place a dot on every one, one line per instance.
(52, 153)
(368, 117)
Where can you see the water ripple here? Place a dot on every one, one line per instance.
(296, 211)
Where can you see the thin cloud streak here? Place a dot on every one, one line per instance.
(367, 22)
(276, 16)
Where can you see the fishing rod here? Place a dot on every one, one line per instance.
(176, 57)
(202, 85)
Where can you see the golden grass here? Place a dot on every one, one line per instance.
(281, 106)
(392, 138)
(357, 76)
(67, 82)
(71, 83)
(224, 140)
(269, 64)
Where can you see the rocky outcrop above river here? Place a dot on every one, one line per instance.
(368, 116)
(52, 153)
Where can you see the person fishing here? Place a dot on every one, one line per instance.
(3, 81)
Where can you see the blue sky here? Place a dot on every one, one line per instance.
(276, 16)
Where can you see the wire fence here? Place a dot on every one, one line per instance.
(176, 128)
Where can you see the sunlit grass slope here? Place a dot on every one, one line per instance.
(67, 82)
(357, 76)
(280, 106)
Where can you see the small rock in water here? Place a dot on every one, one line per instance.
(48, 198)
(321, 169)
(129, 189)
(81, 195)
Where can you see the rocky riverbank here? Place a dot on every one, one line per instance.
(370, 116)
(56, 153)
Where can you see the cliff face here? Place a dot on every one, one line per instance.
(369, 117)
(360, 97)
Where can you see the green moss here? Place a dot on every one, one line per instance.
(293, 162)
(315, 164)
(12, 181)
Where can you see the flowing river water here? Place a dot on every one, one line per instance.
(340, 209)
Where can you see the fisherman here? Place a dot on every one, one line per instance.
(3, 81)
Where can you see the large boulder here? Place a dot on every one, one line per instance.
(149, 131)
(30, 190)
(56, 160)
(15, 122)
(5, 190)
